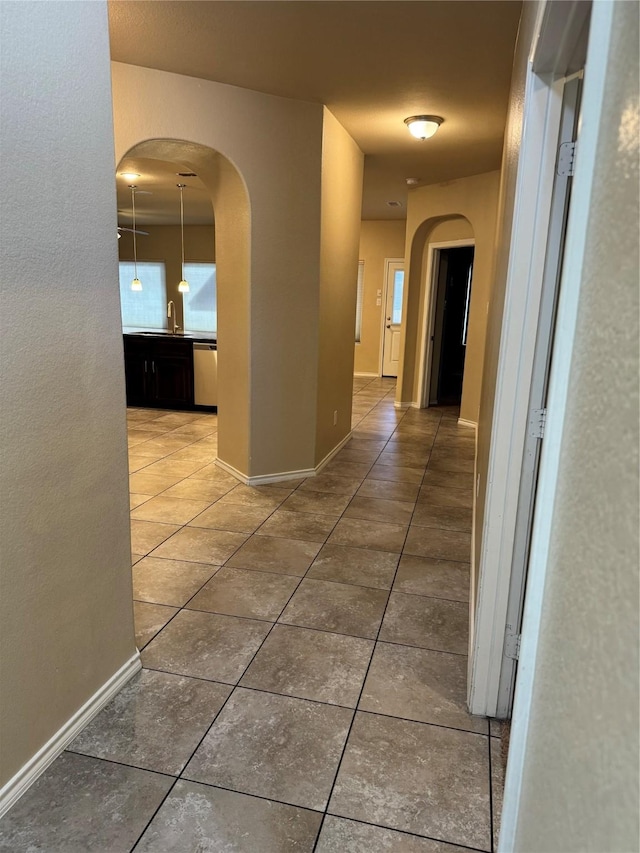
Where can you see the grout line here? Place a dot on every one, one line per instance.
(120, 763)
(491, 819)
(364, 680)
(456, 845)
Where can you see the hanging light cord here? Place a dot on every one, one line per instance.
(182, 186)
(135, 252)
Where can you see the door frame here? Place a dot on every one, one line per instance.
(559, 27)
(428, 319)
(383, 312)
(527, 252)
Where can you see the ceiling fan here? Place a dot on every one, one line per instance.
(132, 230)
(134, 191)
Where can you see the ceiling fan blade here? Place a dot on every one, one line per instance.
(133, 230)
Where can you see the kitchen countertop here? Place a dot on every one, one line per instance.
(204, 337)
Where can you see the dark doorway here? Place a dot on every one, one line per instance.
(453, 296)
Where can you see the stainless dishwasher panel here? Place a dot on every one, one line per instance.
(205, 374)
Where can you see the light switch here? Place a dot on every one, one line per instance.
(378, 293)
(378, 302)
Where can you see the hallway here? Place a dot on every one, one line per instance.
(265, 617)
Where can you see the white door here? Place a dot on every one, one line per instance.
(394, 287)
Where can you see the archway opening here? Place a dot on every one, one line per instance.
(217, 210)
(440, 312)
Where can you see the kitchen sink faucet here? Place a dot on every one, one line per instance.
(171, 315)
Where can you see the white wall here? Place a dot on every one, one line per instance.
(66, 620)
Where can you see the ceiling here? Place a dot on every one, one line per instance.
(158, 196)
(372, 64)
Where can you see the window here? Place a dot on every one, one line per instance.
(359, 299)
(398, 286)
(146, 308)
(200, 304)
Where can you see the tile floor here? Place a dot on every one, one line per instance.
(304, 649)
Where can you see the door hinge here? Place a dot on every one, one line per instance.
(537, 422)
(512, 644)
(566, 159)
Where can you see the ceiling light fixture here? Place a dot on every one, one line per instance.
(423, 127)
(130, 176)
(136, 284)
(183, 286)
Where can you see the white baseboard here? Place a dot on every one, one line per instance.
(262, 480)
(398, 405)
(466, 423)
(27, 775)
(332, 453)
(368, 375)
(415, 405)
(282, 476)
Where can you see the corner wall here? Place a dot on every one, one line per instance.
(474, 198)
(268, 339)
(66, 619)
(342, 165)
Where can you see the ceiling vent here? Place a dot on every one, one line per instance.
(394, 204)
(186, 174)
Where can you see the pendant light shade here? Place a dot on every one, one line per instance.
(423, 127)
(183, 286)
(136, 284)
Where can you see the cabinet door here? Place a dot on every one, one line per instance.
(137, 365)
(172, 376)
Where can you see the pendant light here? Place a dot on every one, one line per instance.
(136, 284)
(183, 286)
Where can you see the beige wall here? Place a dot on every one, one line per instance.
(580, 784)
(475, 199)
(342, 164)
(379, 239)
(508, 176)
(66, 622)
(163, 244)
(268, 332)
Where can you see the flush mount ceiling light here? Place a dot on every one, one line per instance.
(136, 284)
(130, 176)
(183, 286)
(422, 127)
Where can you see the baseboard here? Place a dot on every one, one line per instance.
(466, 423)
(332, 453)
(262, 480)
(415, 405)
(472, 578)
(283, 476)
(368, 375)
(398, 405)
(27, 775)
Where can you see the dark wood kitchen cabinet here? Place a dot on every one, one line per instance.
(159, 372)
